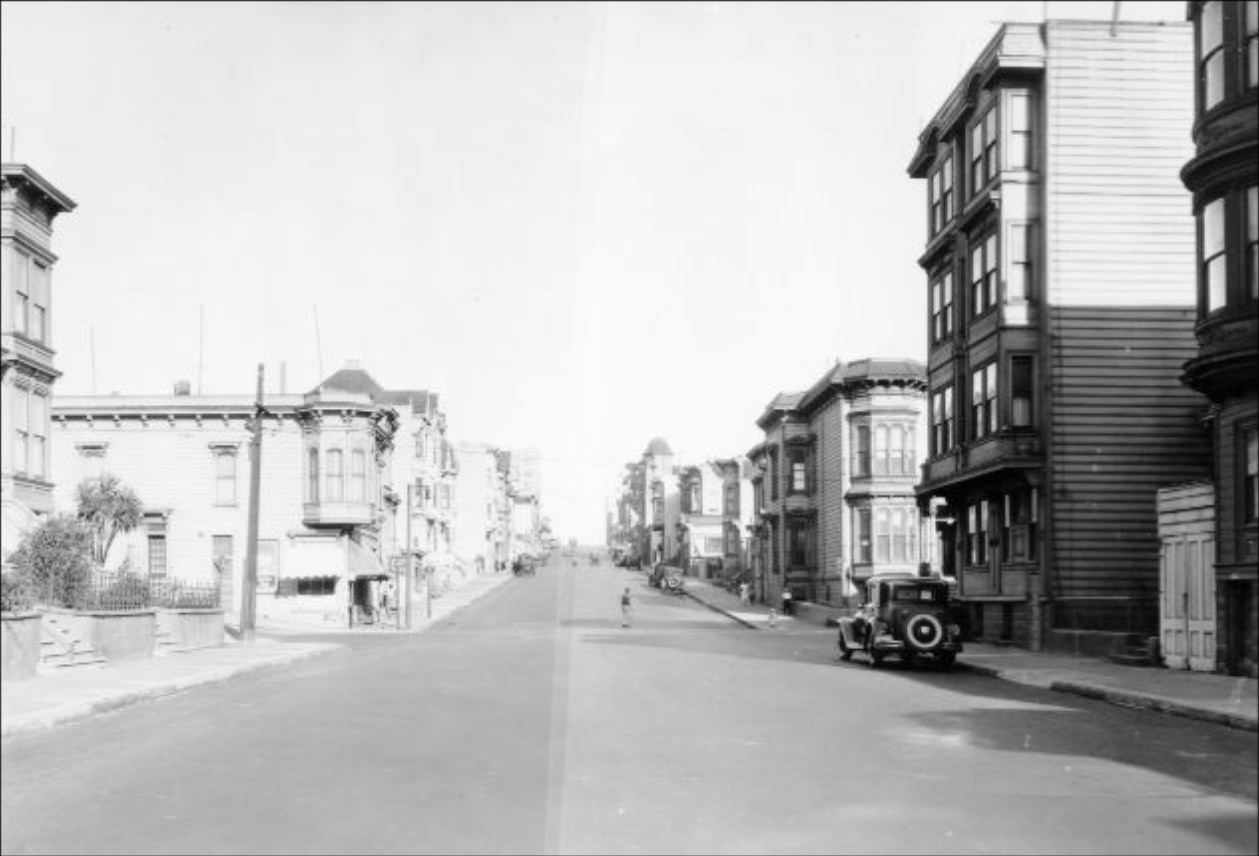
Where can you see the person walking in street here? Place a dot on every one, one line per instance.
(787, 601)
(743, 593)
(627, 607)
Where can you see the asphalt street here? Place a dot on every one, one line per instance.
(532, 722)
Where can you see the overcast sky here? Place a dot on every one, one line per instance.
(584, 225)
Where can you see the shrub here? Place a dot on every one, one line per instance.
(53, 561)
(15, 593)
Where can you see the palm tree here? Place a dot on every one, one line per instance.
(108, 507)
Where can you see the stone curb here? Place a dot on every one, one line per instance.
(73, 711)
(1129, 698)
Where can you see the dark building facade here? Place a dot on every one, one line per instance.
(1223, 176)
(1058, 256)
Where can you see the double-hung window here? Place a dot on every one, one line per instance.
(1019, 282)
(30, 426)
(336, 476)
(1252, 43)
(984, 401)
(983, 275)
(1214, 258)
(1250, 477)
(942, 307)
(1022, 390)
(358, 475)
(799, 462)
(861, 451)
(942, 420)
(1018, 526)
(1252, 240)
(1211, 54)
(862, 549)
(225, 476)
(312, 475)
(1020, 154)
(941, 190)
(732, 498)
(983, 151)
(21, 292)
(977, 533)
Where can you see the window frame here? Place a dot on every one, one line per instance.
(987, 248)
(984, 398)
(358, 476)
(861, 448)
(225, 482)
(984, 149)
(943, 424)
(312, 474)
(1022, 389)
(1209, 54)
(1021, 138)
(942, 307)
(977, 524)
(334, 474)
(940, 189)
(1213, 254)
(1248, 454)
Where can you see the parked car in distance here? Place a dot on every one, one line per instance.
(904, 616)
(666, 577)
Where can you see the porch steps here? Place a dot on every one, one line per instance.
(1140, 651)
(60, 647)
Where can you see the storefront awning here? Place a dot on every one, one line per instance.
(363, 563)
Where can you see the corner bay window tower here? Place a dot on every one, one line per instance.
(1059, 251)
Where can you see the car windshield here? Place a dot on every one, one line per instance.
(919, 594)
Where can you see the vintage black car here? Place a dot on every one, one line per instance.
(905, 616)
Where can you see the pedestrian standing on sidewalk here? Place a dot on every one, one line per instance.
(743, 593)
(627, 607)
(786, 601)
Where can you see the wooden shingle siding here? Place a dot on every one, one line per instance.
(1122, 427)
(1119, 110)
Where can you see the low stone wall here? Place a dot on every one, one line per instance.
(118, 635)
(20, 645)
(191, 629)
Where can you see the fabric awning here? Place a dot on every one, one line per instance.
(363, 563)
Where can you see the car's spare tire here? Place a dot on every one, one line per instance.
(923, 631)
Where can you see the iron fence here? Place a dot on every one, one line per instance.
(115, 591)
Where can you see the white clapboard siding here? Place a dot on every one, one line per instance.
(1119, 109)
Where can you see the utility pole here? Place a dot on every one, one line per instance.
(410, 557)
(249, 593)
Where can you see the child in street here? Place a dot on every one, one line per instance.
(626, 608)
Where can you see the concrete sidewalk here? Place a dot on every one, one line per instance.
(473, 588)
(1229, 701)
(73, 693)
